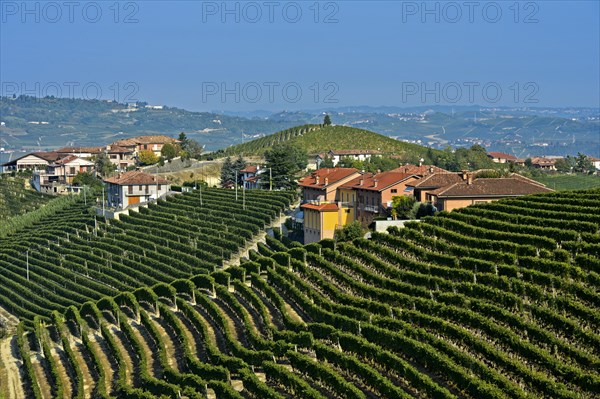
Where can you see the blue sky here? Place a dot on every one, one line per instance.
(296, 55)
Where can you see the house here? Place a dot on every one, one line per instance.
(250, 176)
(543, 163)
(120, 156)
(500, 157)
(373, 193)
(33, 161)
(322, 184)
(323, 209)
(134, 187)
(471, 191)
(81, 152)
(420, 170)
(337, 155)
(140, 143)
(58, 176)
(595, 162)
(421, 188)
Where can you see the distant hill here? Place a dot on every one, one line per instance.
(316, 138)
(48, 123)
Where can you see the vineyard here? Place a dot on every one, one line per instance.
(498, 300)
(15, 199)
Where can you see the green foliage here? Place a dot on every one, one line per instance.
(103, 165)
(227, 172)
(327, 120)
(402, 206)
(88, 180)
(562, 182)
(285, 161)
(169, 151)
(147, 157)
(349, 232)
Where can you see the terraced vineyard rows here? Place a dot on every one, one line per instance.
(69, 257)
(493, 301)
(15, 199)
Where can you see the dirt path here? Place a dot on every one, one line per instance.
(40, 375)
(10, 373)
(101, 352)
(88, 381)
(59, 359)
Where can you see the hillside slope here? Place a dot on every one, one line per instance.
(316, 139)
(497, 300)
(16, 199)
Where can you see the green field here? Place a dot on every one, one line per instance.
(499, 300)
(570, 182)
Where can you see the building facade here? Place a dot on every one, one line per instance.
(134, 187)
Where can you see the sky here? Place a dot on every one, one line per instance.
(286, 55)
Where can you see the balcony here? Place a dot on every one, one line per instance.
(371, 208)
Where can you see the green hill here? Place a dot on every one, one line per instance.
(316, 139)
(16, 199)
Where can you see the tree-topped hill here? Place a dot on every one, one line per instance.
(318, 138)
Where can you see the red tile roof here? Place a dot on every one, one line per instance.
(135, 177)
(377, 182)
(75, 150)
(491, 187)
(250, 169)
(437, 180)
(321, 208)
(543, 161)
(502, 155)
(333, 175)
(48, 156)
(115, 149)
(423, 170)
(132, 141)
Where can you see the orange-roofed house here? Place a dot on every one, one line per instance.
(134, 187)
(324, 211)
(500, 157)
(373, 193)
(140, 143)
(481, 190)
(422, 187)
(421, 170)
(251, 176)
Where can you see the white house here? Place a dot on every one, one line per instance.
(33, 161)
(59, 175)
(337, 155)
(134, 187)
(251, 176)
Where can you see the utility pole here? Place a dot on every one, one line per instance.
(84, 196)
(103, 211)
(27, 256)
(236, 180)
(270, 180)
(244, 197)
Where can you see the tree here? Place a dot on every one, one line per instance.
(349, 232)
(227, 172)
(402, 206)
(583, 164)
(327, 162)
(565, 165)
(285, 161)
(103, 165)
(193, 149)
(147, 157)
(183, 140)
(87, 179)
(327, 120)
(169, 151)
(238, 165)
(528, 163)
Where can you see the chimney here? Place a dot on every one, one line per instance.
(361, 181)
(375, 181)
(317, 179)
(469, 178)
(326, 181)
(431, 169)
(464, 174)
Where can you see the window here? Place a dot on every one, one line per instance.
(140, 187)
(347, 210)
(130, 188)
(72, 170)
(394, 191)
(145, 146)
(159, 186)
